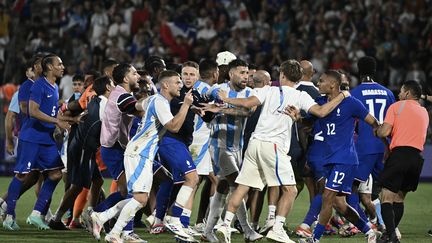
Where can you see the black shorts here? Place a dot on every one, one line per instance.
(402, 170)
(82, 166)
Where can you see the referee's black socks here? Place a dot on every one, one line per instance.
(398, 209)
(388, 216)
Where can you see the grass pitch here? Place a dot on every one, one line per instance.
(414, 226)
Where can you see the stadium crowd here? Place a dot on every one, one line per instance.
(148, 93)
(332, 34)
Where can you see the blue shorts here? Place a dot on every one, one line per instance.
(318, 169)
(175, 155)
(340, 177)
(156, 166)
(367, 163)
(378, 168)
(35, 156)
(113, 159)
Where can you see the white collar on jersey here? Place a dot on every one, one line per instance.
(305, 83)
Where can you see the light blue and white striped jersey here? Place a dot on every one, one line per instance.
(227, 130)
(157, 114)
(201, 134)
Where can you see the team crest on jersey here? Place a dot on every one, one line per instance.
(338, 112)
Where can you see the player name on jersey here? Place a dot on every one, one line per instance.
(374, 92)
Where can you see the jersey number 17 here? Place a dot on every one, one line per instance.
(371, 103)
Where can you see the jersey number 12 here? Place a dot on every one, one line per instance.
(331, 129)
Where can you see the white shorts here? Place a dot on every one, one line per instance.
(139, 173)
(63, 153)
(265, 164)
(202, 159)
(366, 187)
(225, 162)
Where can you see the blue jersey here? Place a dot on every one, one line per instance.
(317, 150)
(24, 96)
(338, 131)
(46, 95)
(377, 99)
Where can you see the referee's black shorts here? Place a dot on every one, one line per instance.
(402, 169)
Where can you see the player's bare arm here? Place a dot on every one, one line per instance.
(324, 110)
(38, 114)
(175, 124)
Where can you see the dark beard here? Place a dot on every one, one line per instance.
(134, 88)
(237, 86)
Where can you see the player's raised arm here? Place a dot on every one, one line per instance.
(175, 124)
(324, 110)
(249, 102)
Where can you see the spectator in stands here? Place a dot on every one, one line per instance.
(4, 31)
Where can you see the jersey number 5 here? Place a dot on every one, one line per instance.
(53, 112)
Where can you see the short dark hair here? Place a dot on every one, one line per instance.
(347, 75)
(207, 67)
(336, 75)
(173, 67)
(292, 70)
(93, 73)
(78, 77)
(99, 85)
(143, 72)
(120, 72)
(108, 63)
(29, 64)
(366, 66)
(190, 64)
(252, 66)
(167, 74)
(413, 87)
(47, 59)
(33, 60)
(153, 62)
(237, 63)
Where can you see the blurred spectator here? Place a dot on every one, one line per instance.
(140, 16)
(98, 24)
(208, 31)
(415, 73)
(4, 31)
(120, 30)
(65, 86)
(7, 91)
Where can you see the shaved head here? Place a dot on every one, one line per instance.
(261, 78)
(307, 71)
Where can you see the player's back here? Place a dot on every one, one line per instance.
(151, 129)
(24, 96)
(115, 124)
(273, 125)
(377, 99)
